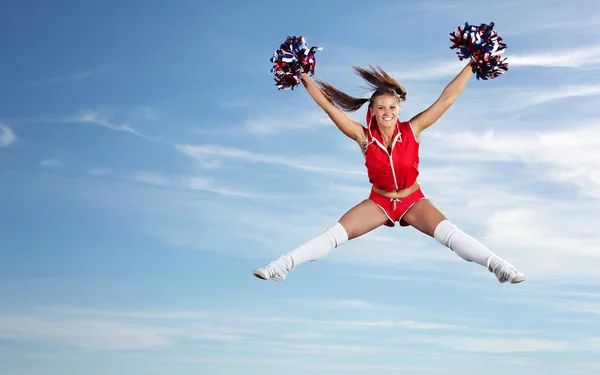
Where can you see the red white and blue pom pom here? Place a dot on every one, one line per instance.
(291, 60)
(482, 44)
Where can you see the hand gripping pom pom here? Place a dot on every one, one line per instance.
(483, 45)
(291, 60)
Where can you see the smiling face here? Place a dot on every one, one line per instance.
(385, 109)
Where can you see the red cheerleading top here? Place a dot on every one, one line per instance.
(395, 170)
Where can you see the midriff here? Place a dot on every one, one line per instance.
(398, 193)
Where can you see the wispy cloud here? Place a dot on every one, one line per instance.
(564, 305)
(579, 166)
(345, 304)
(203, 153)
(152, 178)
(74, 77)
(209, 156)
(430, 72)
(516, 99)
(51, 163)
(580, 57)
(285, 121)
(205, 184)
(586, 367)
(241, 334)
(538, 230)
(99, 171)
(7, 136)
(434, 280)
(566, 58)
(81, 333)
(495, 345)
(104, 333)
(170, 314)
(573, 321)
(354, 324)
(98, 118)
(103, 119)
(189, 183)
(302, 364)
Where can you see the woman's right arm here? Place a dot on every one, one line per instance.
(349, 127)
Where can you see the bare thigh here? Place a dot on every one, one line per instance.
(424, 216)
(363, 218)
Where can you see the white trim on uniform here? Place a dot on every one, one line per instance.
(398, 138)
(413, 131)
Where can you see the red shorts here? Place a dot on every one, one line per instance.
(395, 208)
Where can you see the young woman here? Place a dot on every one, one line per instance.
(391, 151)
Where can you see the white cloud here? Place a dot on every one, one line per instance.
(104, 119)
(495, 345)
(191, 183)
(430, 72)
(343, 304)
(567, 58)
(7, 136)
(204, 184)
(510, 202)
(421, 279)
(99, 171)
(169, 314)
(558, 304)
(285, 121)
(74, 77)
(85, 332)
(568, 293)
(512, 101)
(531, 233)
(346, 325)
(51, 163)
(560, 92)
(586, 367)
(81, 333)
(580, 57)
(298, 363)
(202, 153)
(572, 156)
(152, 178)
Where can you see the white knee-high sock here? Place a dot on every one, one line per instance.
(319, 246)
(462, 244)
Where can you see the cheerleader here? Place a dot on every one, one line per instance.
(391, 151)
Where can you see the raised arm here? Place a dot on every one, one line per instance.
(451, 92)
(349, 127)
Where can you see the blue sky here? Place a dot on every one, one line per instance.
(148, 164)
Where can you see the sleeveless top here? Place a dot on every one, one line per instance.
(393, 170)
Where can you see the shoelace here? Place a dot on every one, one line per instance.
(272, 272)
(506, 270)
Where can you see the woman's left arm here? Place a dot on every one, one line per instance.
(451, 92)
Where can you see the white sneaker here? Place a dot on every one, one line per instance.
(505, 271)
(276, 270)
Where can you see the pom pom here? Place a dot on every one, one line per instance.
(484, 46)
(291, 60)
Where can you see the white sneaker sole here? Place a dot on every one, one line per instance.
(263, 275)
(260, 274)
(518, 279)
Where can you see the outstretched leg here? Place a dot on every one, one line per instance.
(359, 220)
(425, 217)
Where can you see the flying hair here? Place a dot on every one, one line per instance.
(379, 81)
